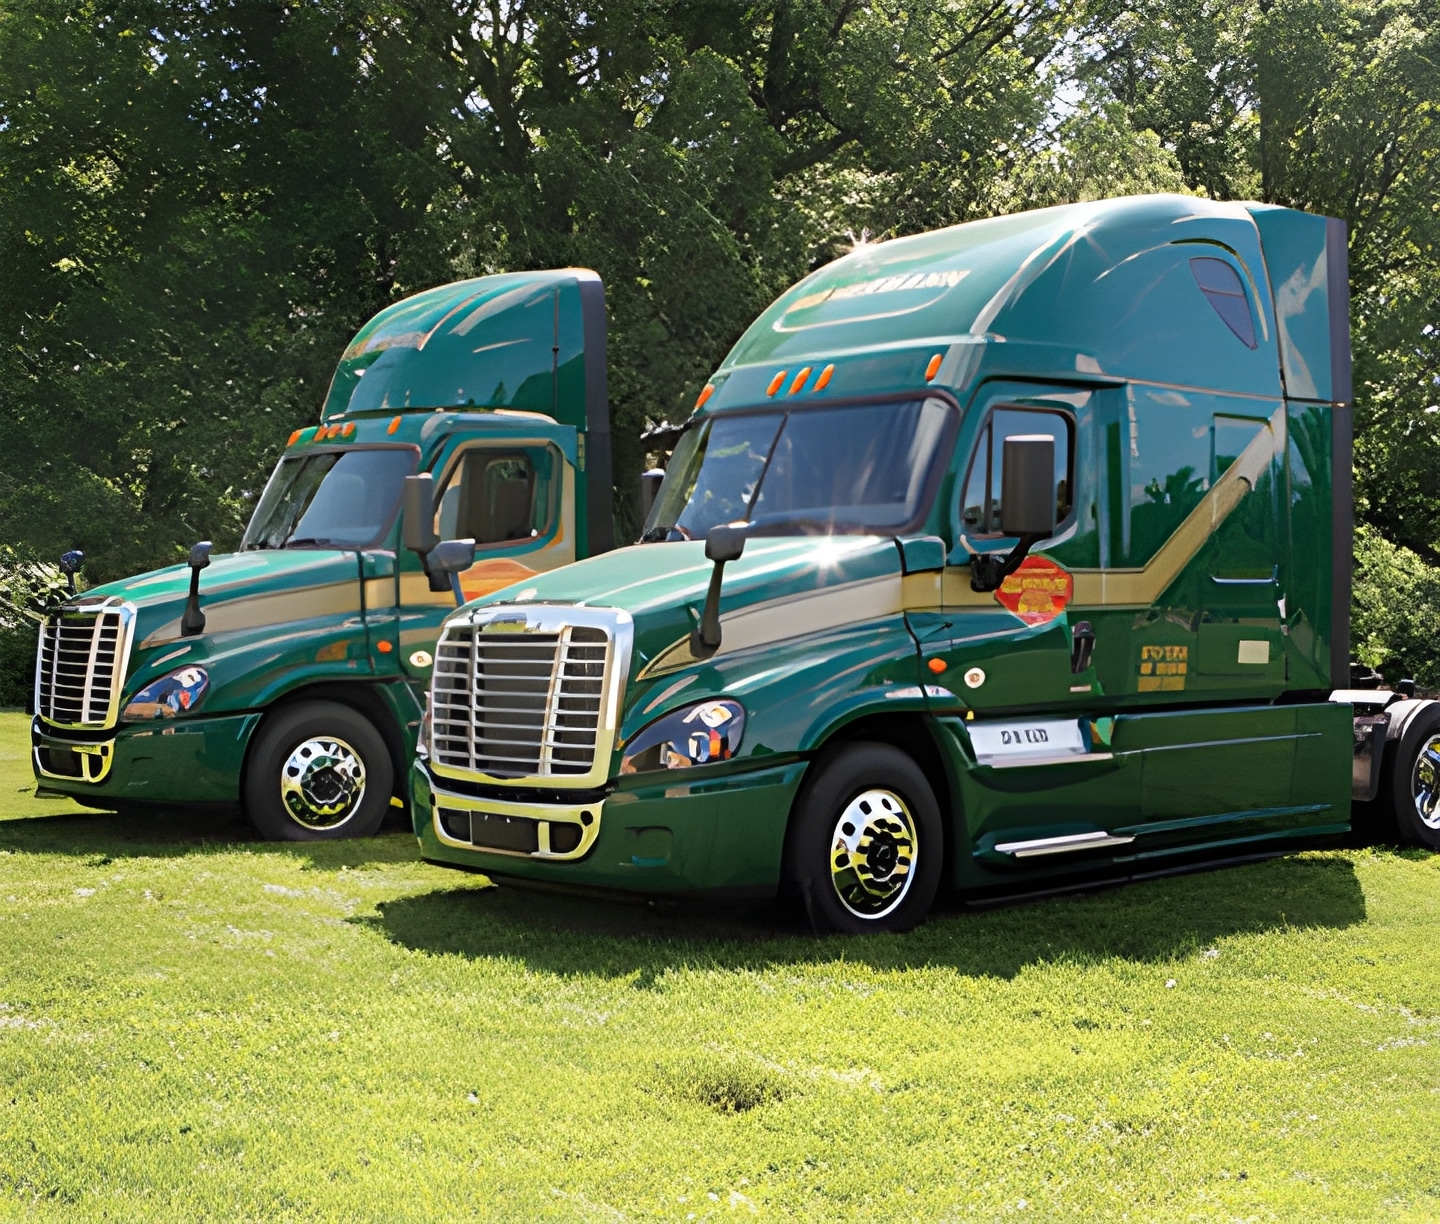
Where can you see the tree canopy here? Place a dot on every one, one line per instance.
(200, 200)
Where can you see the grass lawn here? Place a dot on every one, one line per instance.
(197, 1025)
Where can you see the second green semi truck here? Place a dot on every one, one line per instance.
(288, 676)
(999, 558)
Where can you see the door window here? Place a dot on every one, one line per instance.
(496, 497)
(980, 510)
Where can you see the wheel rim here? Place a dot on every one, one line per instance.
(873, 853)
(1425, 782)
(322, 782)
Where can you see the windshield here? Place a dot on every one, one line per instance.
(864, 469)
(340, 499)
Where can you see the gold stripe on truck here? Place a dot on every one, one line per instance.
(257, 611)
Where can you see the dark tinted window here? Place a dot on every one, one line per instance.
(1221, 285)
(343, 499)
(863, 469)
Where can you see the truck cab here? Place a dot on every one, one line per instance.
(999, 558)
(288, 676)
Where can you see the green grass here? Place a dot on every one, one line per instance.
(197, 1025)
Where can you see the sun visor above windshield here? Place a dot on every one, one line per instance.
(531, 341)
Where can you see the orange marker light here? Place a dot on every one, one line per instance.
(349, 429)
(937, 665)
(384, 647)
(294, 437)
(824, 379)
(394, 425)
(776, 382)
(705, 395)
(933, 368)
(799, 380)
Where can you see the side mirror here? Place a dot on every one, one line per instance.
(722, 544)
(448, 560)
(649, 490)
(726, 542)
(1027, 506)
(192, 620)
(453, 556)
(70, 564)
(1027, 486)
(417, 514)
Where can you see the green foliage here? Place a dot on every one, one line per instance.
(1330, 106)
(27, 587)
(199, 203)
(197, 1026)
(1395, 610)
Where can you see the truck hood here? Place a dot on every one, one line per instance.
(241, 591)
(780, 588)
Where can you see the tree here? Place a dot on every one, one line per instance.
(1329, 106)
(196, 203)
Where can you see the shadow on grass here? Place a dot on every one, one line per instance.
(170, 833)
(1157, 920)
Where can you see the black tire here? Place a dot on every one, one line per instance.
(318, 771)
(863, 806)
(1410, 789)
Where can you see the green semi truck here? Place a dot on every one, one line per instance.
(1001, 558)
(289, 675)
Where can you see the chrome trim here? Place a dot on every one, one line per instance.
(1425, 782)
(1019, 762)
(103, 754)
(1273, 578)
(1062, 845)
(96, 611)
(543, 814)
(322, 779)
(873, 849)
(543, 619)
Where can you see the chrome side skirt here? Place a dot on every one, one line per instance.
(1062, 845)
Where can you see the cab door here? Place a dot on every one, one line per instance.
(516, 499)
(1010, 650)
(1044, 791)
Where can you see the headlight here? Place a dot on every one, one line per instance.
(696, 735)
(422, 741)
(177, 693)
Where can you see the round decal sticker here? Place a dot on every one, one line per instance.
(1038, 591)
(974, 678)
(421, 658)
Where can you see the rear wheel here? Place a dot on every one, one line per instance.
(318, 771)
(866, 844)
(1412, 780)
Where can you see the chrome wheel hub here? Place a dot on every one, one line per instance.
(322, 782)
(872, 853)
(1425, 782)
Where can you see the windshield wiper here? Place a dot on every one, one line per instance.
(310, 540)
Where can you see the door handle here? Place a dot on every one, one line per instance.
(1082, 643)
(1274, 577)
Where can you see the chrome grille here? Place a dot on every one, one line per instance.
(518, 704)
(80, 664)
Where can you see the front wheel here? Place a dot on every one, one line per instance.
(1412, 780)
(318, 771)
(866, 844)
